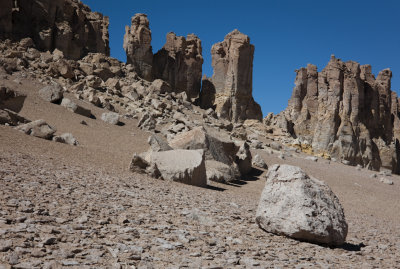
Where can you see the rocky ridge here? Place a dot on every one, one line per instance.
(345, 113)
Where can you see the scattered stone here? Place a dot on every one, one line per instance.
(110, 117)
(66, 138)
(259, 162)
(38, 128)
(52, 93)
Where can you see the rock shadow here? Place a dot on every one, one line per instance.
(351, 247)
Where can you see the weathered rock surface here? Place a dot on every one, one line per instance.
(66, 25)
(230, 88)
(259, 162)
(38, 128)
(220, 172)
(137, 45)
(298, 206)
(345, 113)
(179, 63)
(185, 166)
(73, 107)
(52, 93)
(66, 138)
(110, 117)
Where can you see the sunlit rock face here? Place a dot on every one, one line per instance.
(231, 90)
(346, 113)
(137, 45)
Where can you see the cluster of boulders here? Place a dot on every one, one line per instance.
(66, 25)
(195, 156)
(179, 63)
(345, 113)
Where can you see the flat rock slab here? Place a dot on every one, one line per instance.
(300, 207)
(186, 166)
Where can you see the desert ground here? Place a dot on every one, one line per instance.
(81, 207)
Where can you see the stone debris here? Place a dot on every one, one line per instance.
(38, 128)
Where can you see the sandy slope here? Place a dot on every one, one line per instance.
(86, 210)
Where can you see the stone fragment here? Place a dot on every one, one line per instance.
(220, 172)
(301, 207)
(38, 128)
(110, 117)
(52, 93)
(259, 162)
(71, 106)
(66, 138)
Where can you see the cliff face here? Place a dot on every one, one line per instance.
(344, 112)
(230, 88)
(179, 63)
(66, 25)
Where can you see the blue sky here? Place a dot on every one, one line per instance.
(287, 34)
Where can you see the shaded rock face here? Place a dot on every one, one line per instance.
(179, 63)
(137, 45)
(67, 25)
(232, 81)
(344, 112)
(301, 207)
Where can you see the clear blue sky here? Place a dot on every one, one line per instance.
(287, 34)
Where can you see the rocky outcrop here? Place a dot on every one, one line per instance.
(345, 113)
(301, 207)
(66, 25)
(229, 90)
(179, 63)
(137, 45)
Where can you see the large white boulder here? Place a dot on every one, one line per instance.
(301, 207)
(185, 166)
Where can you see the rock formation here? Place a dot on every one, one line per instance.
(345, 113)
(230, 88)
(67, 25)
(137, 45)
(179, 63)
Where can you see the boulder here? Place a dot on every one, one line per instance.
(66, 25)
(11, 118)
(220, 172)
(110, 117)
(71, 106)
(259, 162)
(159, 86)
(157, 143)
(301, 207)
(52, 93)
(38, 128)
(185, 166)
(147, 122)
(244, 159)
(66, 138)
(230, 88)
(137, 45)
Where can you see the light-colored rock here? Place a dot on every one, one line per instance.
(66, 138)
(52, 93)
(110, 117)
(185, 166)
(38, 128)
(301, 207)
(73, 107)
(244, 159)
(157, 143)
(259, 162)
(386, 181)
(220, 172)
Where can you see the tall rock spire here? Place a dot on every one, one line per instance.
(232, 61)
(137, 45)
